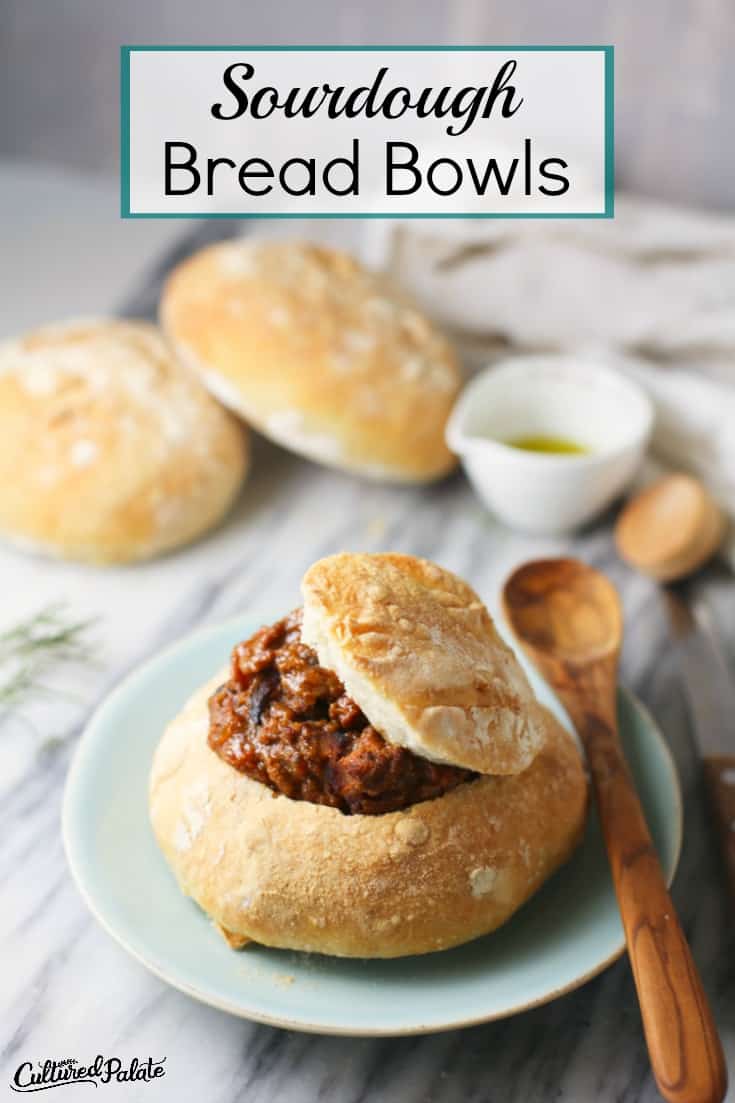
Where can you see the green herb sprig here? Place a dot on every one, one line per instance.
(36, 645)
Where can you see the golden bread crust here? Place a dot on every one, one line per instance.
(417, 650)
(110, 451)
(306, 877)
(318, 354)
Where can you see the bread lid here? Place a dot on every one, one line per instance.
(417, 650)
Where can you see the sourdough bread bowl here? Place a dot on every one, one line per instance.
(109, 451)
(318, 354)
(295, 821)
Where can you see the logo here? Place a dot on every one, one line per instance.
(103, 1070)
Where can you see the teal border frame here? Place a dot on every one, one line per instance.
(608, 212)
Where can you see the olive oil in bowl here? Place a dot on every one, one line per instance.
(557, 446)
(549, 441)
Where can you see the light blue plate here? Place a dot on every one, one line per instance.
(566, 934)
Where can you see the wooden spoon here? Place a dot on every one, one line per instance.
(568, 619)
(671, 528)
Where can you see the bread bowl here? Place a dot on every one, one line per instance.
(293, 822)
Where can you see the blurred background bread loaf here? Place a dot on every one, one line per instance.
(318, 354)
(109, 451)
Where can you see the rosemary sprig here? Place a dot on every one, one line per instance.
(34, 646)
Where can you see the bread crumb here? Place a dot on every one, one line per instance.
(234, 941)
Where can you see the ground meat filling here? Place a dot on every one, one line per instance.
(287, 722)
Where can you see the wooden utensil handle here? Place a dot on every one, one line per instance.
(719, 776)
(685, 1051)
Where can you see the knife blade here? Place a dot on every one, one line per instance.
(710, 695)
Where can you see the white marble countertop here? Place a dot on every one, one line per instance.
(67, 989)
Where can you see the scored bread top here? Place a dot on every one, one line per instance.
(417, 650)
(110, 451)
(317, 353)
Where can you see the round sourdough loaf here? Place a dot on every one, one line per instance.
(305, 876)
(419, 648)
(318, 354)
(109, 450)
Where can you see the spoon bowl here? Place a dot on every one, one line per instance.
(671, 528)
(565, 608)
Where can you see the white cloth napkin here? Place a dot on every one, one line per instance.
(652, 291)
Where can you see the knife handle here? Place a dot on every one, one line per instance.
(719, 776)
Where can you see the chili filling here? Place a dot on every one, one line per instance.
(287, 722)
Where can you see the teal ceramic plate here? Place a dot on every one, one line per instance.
(566, 934)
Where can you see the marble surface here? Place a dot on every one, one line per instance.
(69, 991)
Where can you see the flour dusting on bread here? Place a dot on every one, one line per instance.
(291, 329)
(111, 451)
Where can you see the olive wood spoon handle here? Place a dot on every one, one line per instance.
(683, 1044)
(568, 618)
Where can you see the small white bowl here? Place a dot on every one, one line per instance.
(553, 396)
